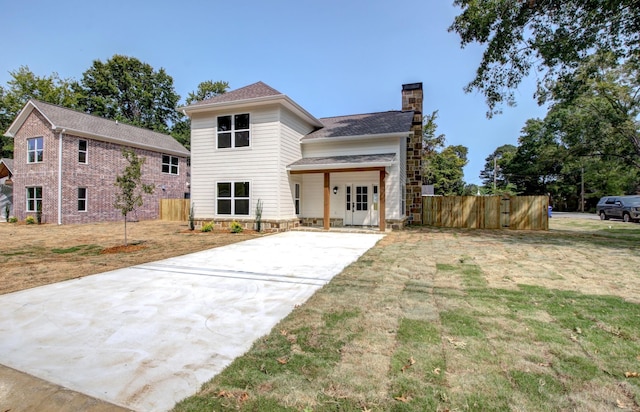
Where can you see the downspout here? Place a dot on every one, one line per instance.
(60, 177)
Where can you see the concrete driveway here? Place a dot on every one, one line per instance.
(148, 336)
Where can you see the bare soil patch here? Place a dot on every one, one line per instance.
(35, 255)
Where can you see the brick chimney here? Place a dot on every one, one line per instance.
(412, 100)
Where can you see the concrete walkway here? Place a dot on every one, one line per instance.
(148, 336)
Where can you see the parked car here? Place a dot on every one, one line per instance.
(626, 208)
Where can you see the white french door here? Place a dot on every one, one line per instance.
(359, 205)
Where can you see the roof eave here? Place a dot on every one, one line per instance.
(357, 137)
(329, 166)
(121, 142)
(253, 102)
(22, 117)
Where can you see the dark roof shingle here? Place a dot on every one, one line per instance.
(252, 91)
(360, 160)
(98, 127)
(363, 124)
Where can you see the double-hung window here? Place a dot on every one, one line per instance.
(233, 131)
(296, 197)
(82, 199)
(170, 164)
(233, 198)
(35, 150)
(82, 151)
(34, 198)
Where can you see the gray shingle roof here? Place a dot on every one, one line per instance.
(363, 124)
(8, 163)
(336, 161)
(252, 91)
(105, 129)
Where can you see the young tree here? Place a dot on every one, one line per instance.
(542, 35)
(126, 89)
(131, 187)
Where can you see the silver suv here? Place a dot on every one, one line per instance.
(626, 208)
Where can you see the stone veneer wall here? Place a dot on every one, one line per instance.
(412, 98)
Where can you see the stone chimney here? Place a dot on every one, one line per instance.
(412, 100)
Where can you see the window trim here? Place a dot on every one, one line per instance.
(85, 151)
(297, 196)
(83, 199)
(36, 150)
(232, 131)
(170, 164)
(33, 199)
(232, 198)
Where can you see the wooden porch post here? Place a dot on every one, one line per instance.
(327, 201)
(383, 201)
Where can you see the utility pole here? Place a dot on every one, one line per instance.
(582, 189)
(495, 173)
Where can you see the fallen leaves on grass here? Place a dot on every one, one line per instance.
(240, 396)
(458, 344)
(631, 374)
(403, 398)
(436, 371)
(409, 363)
(283, 360)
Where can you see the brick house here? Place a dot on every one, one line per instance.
(65, 163)
(256, 146)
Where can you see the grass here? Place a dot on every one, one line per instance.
(455, 320)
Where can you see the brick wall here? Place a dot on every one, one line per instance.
(98, 175)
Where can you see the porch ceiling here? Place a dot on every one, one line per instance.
(342, 163)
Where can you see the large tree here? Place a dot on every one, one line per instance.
(547, 36)
(495, 164)
(442, 166)
(181, 129)
(126, 89)
(596, 109)
(25, 85)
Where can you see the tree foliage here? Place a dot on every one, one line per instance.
(130, 186)
(544, 36)
(181, 129)
(442, 166)
(126, 89)
(495, 165)
(25, 85)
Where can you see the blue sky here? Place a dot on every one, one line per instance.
(332, 57)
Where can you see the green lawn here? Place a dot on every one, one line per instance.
(442, 320)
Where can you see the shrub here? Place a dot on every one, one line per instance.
(207, 227)
(30, 220)
(235, 227)
(12, 219)
(191, 217)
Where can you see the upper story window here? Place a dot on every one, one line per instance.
(35, 150)
(170, 164)
(233, 131)
(82, 151)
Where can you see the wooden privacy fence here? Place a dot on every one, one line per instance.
(486, 212)
(174, 209)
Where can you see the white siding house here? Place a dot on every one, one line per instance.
(255, 145)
